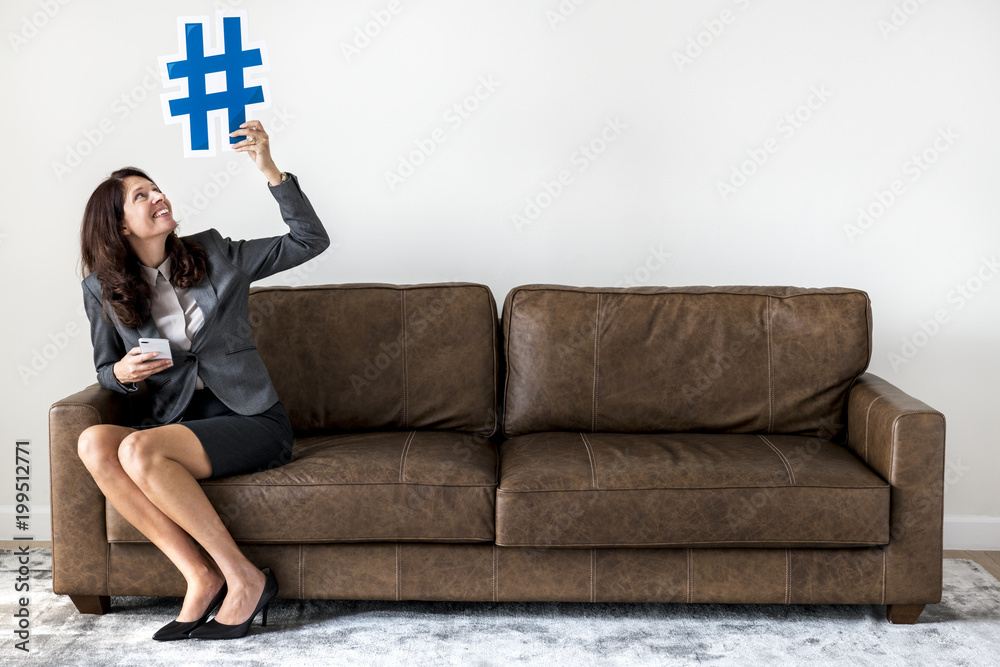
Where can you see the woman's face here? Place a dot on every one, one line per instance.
(147, 210)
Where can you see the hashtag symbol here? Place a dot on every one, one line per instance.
(214, 83)
(22, 525)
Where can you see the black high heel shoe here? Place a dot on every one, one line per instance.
(178, 630)
(215, 630)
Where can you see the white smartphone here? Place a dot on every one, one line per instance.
(159, 345)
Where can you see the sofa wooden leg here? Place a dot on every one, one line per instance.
(905, 614)
(92, 604)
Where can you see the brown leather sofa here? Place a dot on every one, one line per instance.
(648, 444)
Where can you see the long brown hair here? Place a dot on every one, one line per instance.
(106, 252)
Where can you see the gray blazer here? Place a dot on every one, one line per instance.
(223, 351)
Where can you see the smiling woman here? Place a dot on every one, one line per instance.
(131, 197)
(215, 411)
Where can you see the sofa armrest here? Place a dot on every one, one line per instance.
(79, 521)
(902, 439)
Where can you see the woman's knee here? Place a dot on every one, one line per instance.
(98, 444)
(138, 453)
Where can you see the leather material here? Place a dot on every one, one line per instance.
(443, 402)
(393, 485)
(142, 569)
(684, 359)
(619, 489)
(79, 547)
(377, 356)
(903, 440)
(471, 572)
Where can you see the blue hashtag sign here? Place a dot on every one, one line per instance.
(213, 83)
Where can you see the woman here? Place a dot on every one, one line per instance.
(214, 409)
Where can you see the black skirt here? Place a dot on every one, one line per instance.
(238, 443)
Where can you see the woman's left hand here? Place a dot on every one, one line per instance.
(258, 145)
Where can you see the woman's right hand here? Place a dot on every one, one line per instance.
(135, 366)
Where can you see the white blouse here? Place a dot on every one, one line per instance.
(174, 310)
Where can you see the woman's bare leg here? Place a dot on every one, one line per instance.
(98, 448)
(166, 463)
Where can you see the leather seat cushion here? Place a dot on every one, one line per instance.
(574, 489)
(434, 486)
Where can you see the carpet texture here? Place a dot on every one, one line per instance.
(964, 629)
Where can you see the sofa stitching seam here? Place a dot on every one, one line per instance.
(690, 582)
(593, 575)
(402, 458)
(788, 467)
(301, 572)
(402, 317)
(397, 571)
(597, 363)
(788, 576)
(883, 577)
(590, 456)
(495, 573)
(867, 415)
(770, 367)
(892, 450)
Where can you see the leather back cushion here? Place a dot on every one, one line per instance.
(711, 359)
(377, 356)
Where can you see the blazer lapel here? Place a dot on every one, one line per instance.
(148, 329)
(206, 298)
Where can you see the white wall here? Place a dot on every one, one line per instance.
(878, 99)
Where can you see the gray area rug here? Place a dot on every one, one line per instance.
(964, 629)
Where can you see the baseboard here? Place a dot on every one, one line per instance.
(972, 532)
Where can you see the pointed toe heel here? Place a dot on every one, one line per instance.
(215, 630)
(175, 630)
